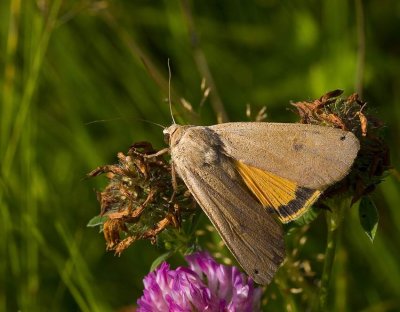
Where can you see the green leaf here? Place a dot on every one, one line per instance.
(96, 221)
(309, 216)
(159, 260)
(369, 217)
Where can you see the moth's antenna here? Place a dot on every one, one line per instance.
(102, 120)
(153, 123)
(119, 118)
(169, 92)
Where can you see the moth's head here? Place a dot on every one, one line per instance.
(168, 132)
(173, 134)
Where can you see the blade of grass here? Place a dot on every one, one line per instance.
(30, 85)
(202, 65)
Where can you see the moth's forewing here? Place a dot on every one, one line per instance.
(249, 231)
(285, 166)
(311, 156)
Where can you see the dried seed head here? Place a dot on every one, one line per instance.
(348, 114)
(140, 200)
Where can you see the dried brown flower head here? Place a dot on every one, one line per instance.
(349, 114)
(140, 201)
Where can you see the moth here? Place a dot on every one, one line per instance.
(245, 175)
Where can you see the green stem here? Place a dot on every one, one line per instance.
(333, 220)
(333, 234)
(202, 65)
(361, 46)
(290, 303)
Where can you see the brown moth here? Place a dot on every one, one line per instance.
(239, 173)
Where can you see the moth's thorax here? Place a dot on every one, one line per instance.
(196, 144)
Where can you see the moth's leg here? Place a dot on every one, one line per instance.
(173, 172)
(174, 182)
(174, 207)
(104, 169)
(161, 152)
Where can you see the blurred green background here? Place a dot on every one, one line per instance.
(67, 65)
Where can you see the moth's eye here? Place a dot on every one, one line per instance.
(166, 137)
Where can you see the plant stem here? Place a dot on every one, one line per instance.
(202, 65)
(290, 303)
(361, 47)
(329, 259)
(333, 220)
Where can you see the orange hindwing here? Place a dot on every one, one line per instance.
(283, 196)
